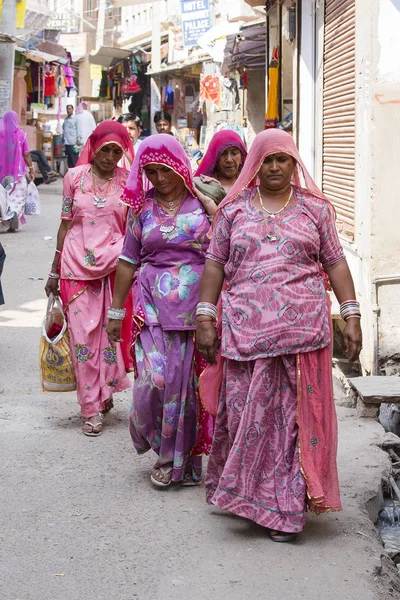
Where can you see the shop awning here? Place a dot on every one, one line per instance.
(38, 56)
(246, 49)
(107, 56)
(178, 66)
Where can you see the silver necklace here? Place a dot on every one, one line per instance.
(270, 213)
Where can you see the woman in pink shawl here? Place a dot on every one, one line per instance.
(16, 161)
(275, 439)
(219, 168)
(164, 254)
(89, 241)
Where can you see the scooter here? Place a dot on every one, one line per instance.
(7, 215)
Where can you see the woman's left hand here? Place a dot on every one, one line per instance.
(113, 330)
(352, 336)
(208, 203)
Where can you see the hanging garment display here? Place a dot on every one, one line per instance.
(272, 114)
(230, 94)
(69, 75)
(131, 86)
(169, 98)
(49, 82)
(210, 90)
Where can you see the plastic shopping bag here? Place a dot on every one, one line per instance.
(32, 203)
(56, 365)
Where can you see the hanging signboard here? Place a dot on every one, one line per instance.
(196, 20)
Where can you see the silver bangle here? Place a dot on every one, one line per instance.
(54, 276)
(116, 313)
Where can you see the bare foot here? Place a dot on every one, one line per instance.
(109, 404)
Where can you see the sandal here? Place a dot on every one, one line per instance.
(164, 474)
(281, 536)
(189, 481)
(97, 428)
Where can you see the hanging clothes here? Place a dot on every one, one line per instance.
(210, 90)
(49, 83)
(169, 98)
(272, 114)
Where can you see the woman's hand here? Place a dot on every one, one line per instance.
(52, 287)
(113, 330)
(209, 205)
(207, 179)
(31, 175)
(352, 337)
(207, 340)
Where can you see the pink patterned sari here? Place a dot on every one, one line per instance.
(297, 395)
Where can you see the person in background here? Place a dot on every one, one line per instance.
(70, 134)
(16, 161)
(85, 122)
(39, 157)
(134, 126)
(220, 166)
(163, 121)
(275, 439)
(89, 241)
(163, 256)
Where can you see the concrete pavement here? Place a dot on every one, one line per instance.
(80, 519)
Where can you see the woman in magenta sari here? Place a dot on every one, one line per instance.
(275, 440)
(164, 253)
(89, 241)
(16, 161)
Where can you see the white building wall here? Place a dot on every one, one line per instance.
(375, 252)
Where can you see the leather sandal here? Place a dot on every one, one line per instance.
(97, 428)
(166, 476)
(281, 536)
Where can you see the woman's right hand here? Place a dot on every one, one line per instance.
(113, 330)
(207, 340)
(52, 287)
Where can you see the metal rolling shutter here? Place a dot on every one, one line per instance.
(339, 101)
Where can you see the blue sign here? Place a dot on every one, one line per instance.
(196, 20)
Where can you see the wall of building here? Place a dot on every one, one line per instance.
(256, 103)
(385, 152)
(375, 251)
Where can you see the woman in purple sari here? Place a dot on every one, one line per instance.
(164, 254)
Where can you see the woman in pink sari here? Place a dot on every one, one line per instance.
(16, 161)
(89, 241)
(164, 254)
(275, 440)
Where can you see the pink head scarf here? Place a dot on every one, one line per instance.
(159, 149)
(12, 146)
(107, 132)
(81, 106)
(272, 141)
(221, 141)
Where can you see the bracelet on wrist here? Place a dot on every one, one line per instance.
(54, 275)
(350, 308)
(117, 314)
(206, 309)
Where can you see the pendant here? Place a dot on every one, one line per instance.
(273, 238)
(172, 235)
(99, 201)
(167, 228)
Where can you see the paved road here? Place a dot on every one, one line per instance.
(80, 518)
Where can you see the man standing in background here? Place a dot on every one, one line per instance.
(85, 122)
(70, 132)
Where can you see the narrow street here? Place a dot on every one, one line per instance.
(80, 518)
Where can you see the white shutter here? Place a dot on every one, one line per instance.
(338, 174)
